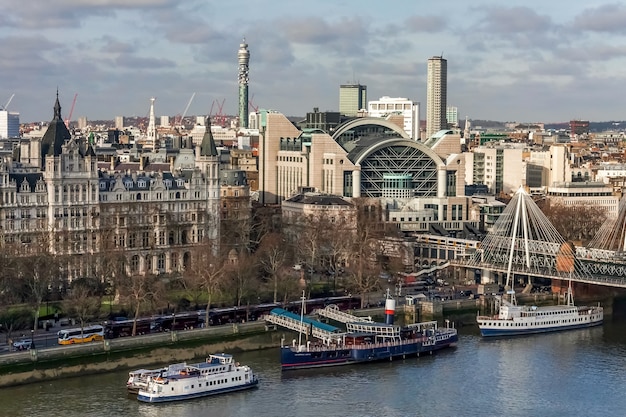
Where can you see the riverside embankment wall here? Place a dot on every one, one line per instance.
(133, 352)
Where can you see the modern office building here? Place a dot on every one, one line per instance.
(500, 168)
(352, 99)
(324, 120)
(408, 109)
(452, 116)
(579, 127)
(9, 124)
(436, 95)
(119, 122)
(82, 122)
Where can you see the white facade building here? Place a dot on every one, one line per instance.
(386, 105)
(596, 194)
(9, 124)
(452, 116)
(119, 122)
(608, 171)
(502, 169)
(555, 164)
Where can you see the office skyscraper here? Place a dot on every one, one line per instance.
(9, 124)
(352, 98)
(436, 93)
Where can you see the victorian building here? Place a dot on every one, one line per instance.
(55, 196)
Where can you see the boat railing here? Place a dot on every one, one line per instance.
(332, 312)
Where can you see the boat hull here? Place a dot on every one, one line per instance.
(159, 398)
(291, 359)
(488, 331)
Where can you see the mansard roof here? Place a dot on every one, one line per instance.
(31, 177)
(319, 199)
(141, 181)
(56, 134)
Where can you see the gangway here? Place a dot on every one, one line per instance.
(304, 325)
(332, 312)
(381, 330)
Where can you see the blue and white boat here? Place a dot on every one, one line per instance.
(515, 320)
(363, 341)
(218, 375)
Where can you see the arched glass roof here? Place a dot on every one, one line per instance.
(389, 158)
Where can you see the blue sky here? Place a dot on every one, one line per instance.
(539, 61)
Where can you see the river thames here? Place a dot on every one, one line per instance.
(572, 373)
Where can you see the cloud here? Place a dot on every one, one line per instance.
(425, 24)
(114, 46)
(592, 53)
(509, 20)
(346, 35)
(144, 63)
(605, 18)
(37, 14)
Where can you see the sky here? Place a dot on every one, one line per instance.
(526, 61)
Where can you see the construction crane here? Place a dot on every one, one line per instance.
(251, 104)
(220, 118)
(6, 106)
(182, 118)
(69, 117)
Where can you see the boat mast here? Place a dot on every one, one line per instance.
(303, 298)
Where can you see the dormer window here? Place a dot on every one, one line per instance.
(141, 184)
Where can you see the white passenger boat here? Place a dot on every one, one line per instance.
(513, 319)
(219, 374)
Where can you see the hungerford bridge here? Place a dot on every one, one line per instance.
(524, 242)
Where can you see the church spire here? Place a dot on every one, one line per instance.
(207, 147)
(57, 108)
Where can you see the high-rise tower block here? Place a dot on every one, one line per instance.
(244, 59)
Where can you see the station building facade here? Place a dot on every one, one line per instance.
(364, 157)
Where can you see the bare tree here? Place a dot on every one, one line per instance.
(273, 255)
(84, 300)
(242, 278)
(578, 222)
(40, 271)
(141, 292)
(365, 266)
(11, 292)
(205, 274)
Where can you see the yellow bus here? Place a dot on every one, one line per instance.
(81, 335)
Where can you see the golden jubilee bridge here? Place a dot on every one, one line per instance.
(523, 243)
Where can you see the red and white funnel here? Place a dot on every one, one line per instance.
(390, 309)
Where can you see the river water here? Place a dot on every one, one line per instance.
(572, 373)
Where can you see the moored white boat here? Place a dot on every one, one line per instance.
(513, 319)
(219, 374)
(138, 378)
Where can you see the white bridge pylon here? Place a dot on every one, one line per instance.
(523, 241)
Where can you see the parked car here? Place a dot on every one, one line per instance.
(23, 344)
